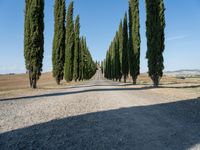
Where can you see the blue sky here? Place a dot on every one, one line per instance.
(99, 22)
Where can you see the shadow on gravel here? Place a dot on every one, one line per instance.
(181, 87)
(170, 126)
(77, 92)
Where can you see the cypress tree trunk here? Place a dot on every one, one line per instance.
(134, 81)
(69, 49)
(58, 57)
(76, 50)
(134, 39)
(34, 82)
(155, 25)
(34, 39)
(125, 67)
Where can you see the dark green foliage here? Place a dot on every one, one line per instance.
(113, 61)
(125, 49)
(76, 49)
(155, 25)
(108, 73)
(34, 39)
(117, 57)
(81, 64)
(120, 47)
(102, 67)
(89, 65)
(58, 54)
(27, 35)
(69, 49)
(134, 39)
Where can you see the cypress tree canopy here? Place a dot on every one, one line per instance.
(76, 49)
(58, 57)
(155, 25)
(34, 39)
(134, 39)
(69, 49)
(120, 47)
(125, 50)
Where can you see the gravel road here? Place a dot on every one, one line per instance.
(101, 115)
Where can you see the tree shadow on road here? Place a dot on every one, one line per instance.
(181, 87)
(170, 126)
(78, 92)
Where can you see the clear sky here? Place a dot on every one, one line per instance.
(99, 22)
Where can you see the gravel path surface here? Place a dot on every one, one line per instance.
(101, 115)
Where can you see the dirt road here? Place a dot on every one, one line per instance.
(100, 115)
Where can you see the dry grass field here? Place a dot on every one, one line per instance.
(20, 81)
(18, 84)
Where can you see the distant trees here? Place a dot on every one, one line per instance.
(58, 54)
(123, 55)
(116, 63)
(124, 52)
(155, 25)
(87, 65)
(79, 64)
(134, 39)
(34, 39)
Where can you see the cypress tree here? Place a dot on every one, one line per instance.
(155, 25)
(125, 67)
(102, 67)
(69, 43)
(88, 65)
(117, 57)
(81, 64)
(120, 48)
(113, 69)
(27, 41)
(34, 39)
(76, 49)
(134, 39)
(58, 53)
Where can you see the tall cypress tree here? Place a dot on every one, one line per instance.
(76, 48)
(125, 67)
(27, 41)
(120, 48)
(58, 53)
(69, 49)
(134, 39)
(81, 64)
(102, 67)
(155, 25)
(34, 39)
(117, 57)
(113, 69)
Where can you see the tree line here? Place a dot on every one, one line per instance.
(71, 58)
(123, 56)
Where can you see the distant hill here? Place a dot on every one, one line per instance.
(184, 73)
